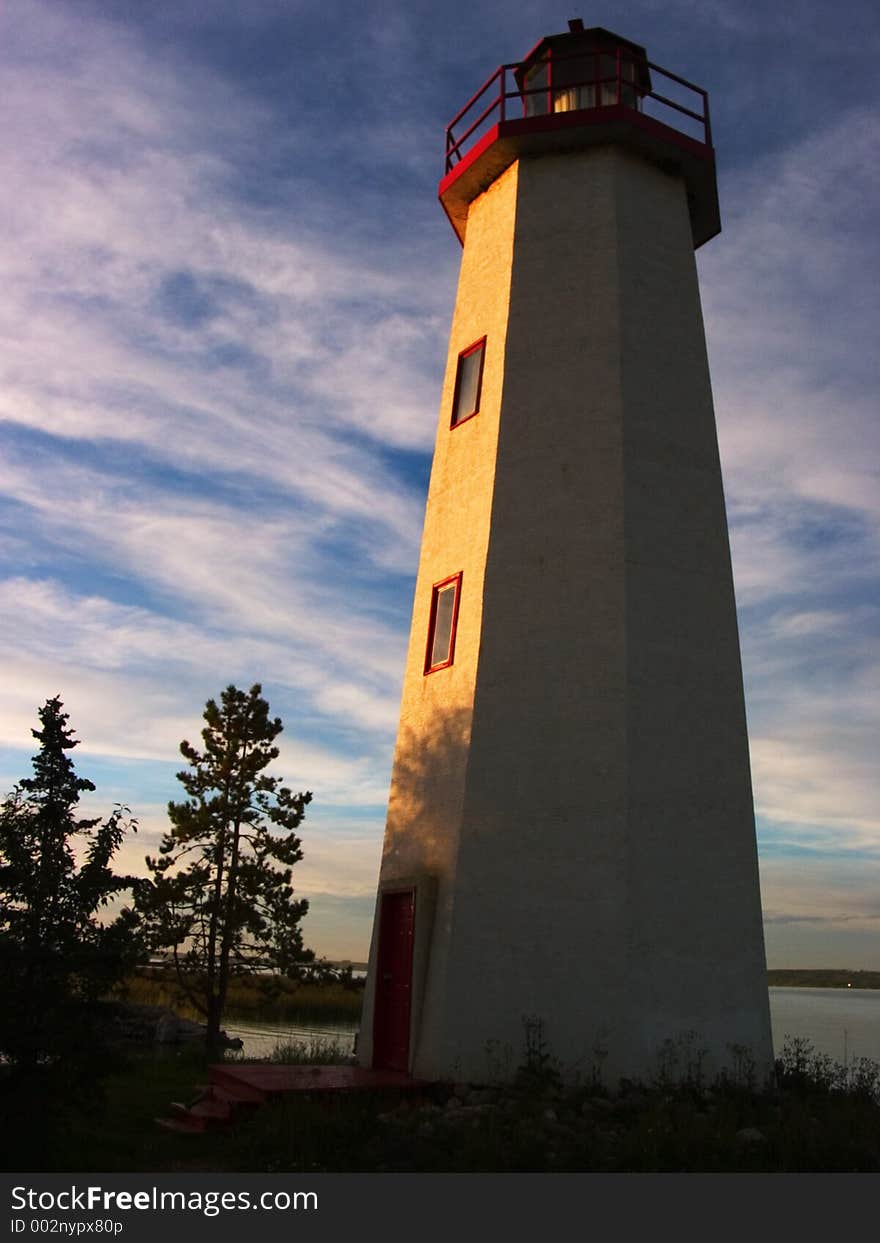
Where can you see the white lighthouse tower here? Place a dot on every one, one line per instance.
(570, 833)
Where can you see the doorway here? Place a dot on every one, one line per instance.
(393, 1005)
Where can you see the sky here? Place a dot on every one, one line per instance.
(226, 291)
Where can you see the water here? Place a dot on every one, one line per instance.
(262, 1037)
(842, 1022)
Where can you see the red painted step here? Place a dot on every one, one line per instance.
(214, 1108)
(233, 1089)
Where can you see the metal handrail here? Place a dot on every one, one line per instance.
(623, 57)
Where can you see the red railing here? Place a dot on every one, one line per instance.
(583, 81)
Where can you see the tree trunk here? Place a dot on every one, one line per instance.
(213, 1046)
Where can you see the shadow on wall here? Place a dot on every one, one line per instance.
(427, 790)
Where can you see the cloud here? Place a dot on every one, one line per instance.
(821, 784)
(254, 572)
(339, 858)
(104, 659)
(181, 378)
(790, 306)
(273, 372)
(806, 918)
(803, 890)
(224, 314)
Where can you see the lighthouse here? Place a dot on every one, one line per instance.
(570, 843)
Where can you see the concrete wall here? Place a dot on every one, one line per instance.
(578, 781)
(427, 781)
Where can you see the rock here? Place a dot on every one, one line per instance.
(168, 1029)
(750, 1135)
(188, 1030)
(129, 1022)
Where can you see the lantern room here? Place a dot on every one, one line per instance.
(583, 88)
(582, 69)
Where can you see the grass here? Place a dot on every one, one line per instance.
(268, 998)
(115, 1128)
(317, 1051)
(820, 1116)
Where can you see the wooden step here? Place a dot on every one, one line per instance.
(233, 1088)
(211, 1109)
(208, 1110)
(246, 1093)
(238, 1096)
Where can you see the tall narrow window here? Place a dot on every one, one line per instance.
(468, 382)
(442, 624)
(537, 80)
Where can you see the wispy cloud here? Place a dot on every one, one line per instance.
(224, 294)
(792, 308)
(107, 657)
(803, 890)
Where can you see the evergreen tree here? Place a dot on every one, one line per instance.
(56, 956)
(217, 898)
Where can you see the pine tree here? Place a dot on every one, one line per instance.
(56, 955)
(217, 898)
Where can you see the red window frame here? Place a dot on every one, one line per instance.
(432, 622)
(465, 353)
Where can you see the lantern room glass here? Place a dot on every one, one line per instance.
(594, 78)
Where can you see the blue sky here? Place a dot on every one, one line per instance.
(226, 288)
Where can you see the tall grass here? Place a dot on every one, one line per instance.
(270, 999)
(819, 1117)
(316, 1051)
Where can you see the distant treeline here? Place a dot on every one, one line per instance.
(830, 977)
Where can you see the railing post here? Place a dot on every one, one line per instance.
(618, 75)
(503, 109)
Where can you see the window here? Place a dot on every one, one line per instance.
(468, 381)
(537, 80)
(441, 627)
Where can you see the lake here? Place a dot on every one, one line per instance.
(842, 1022)
(261, 1037)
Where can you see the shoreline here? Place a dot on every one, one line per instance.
(830, 977)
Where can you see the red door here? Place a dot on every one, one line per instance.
(394, 981)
